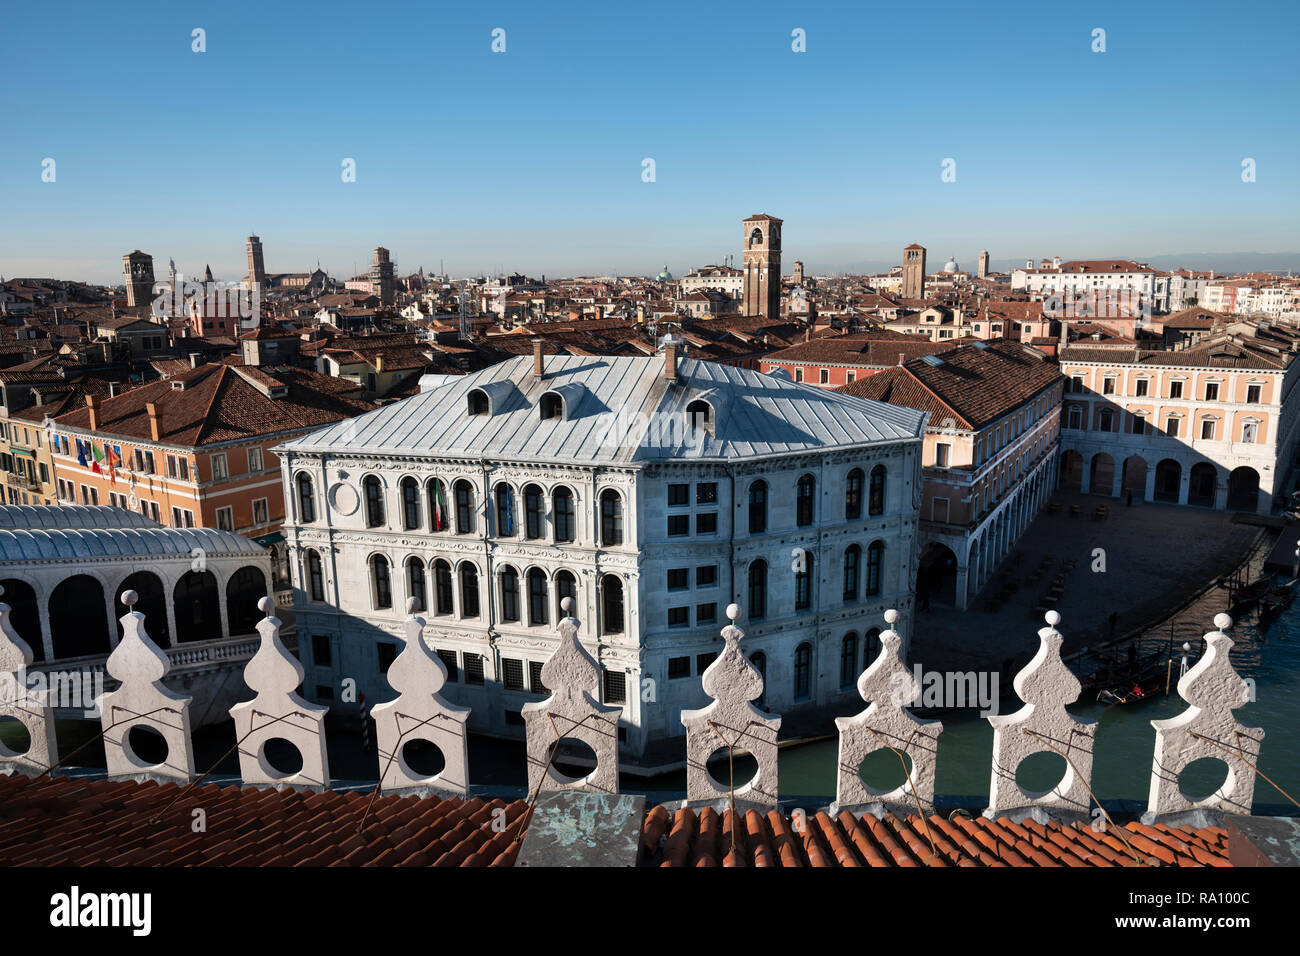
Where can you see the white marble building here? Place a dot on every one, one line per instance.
(492, 496)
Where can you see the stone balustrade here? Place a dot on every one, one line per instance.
(730, 724)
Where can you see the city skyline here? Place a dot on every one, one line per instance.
(541, 170)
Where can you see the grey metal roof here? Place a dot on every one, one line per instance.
(49, 544)
(71, 516)
(756, 415)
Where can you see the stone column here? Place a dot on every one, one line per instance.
(1149, 493)
(1085, 482)
(1184, 484)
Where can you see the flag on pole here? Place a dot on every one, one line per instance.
(114, 454)
(510, 515)
(98, 456)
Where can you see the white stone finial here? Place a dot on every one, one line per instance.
(889, 687)
(571, 674)
(278, 712)
(419, 712)
(734, 683)
(733, 612)
(31, 708)
(1046, 686)
(130, 597)
(1207, 728)
(566, 605)
(412, 605)
(142, 700)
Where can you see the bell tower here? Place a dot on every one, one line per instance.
(762, 289)
(137, 268)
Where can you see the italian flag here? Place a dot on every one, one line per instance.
(98, 456)
(439, 508)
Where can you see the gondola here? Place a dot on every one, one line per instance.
(1149, 686)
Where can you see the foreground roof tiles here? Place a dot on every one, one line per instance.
(685, 838)
(60, 821)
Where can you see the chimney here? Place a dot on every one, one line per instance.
(900, 358)
(539, 365)
(670, 360)
(92, 402)
(194, 360)
(379, 363)
(155, 430)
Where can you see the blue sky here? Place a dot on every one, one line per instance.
(531, 159)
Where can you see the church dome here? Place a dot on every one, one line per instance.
(664, 276)
(950, 265)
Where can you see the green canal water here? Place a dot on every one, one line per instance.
(1125, 738)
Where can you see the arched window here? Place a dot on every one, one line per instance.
(505, 511)
(803, 671)
(852, 564)
(198, 607)
(536, 597)
(552, 405)
(871, 647)
(699, 416)
(415, 583)
(759, 660)
(244, 590)
(477, 402)
(410, 504)
(374, 501)
(315, 577)
(611, 519)
(876, 495)
(848, 660)
(151, 601)
(381, 584)
(758, 590)
(442, 598)
(306, 500)
(803, 575)
(79, 618)
(25, 613)
(509, 594)
(875, 552)
(565, 586)
(562, 514)
(534, 513)
(438, 520)
(758, 507)
(853, 495)
(611, 604)
(464, 507)
(804, 492)
(468, 590)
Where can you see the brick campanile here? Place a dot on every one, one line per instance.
(762, 295)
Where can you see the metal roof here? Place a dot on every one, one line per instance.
(71, 516)
(79, 543)
(756, 415)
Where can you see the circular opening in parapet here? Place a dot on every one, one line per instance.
(14, 738)
(423, 758)
(1203, 778)
(882, 772)
(571, 759)
(282, 757)
(1041, 773)
(145, 746)
(745, 768)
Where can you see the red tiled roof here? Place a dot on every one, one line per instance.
(684, 838)
(61, 821)
(218, 404)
